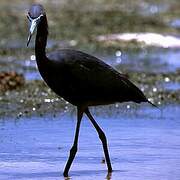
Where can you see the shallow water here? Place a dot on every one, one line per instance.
(148, 60)
(143, 146)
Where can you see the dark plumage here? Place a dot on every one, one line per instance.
(81, 79)
(86, 80)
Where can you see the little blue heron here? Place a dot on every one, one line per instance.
(81, 79)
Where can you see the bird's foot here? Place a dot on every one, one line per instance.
(66, 176)
(109, 175)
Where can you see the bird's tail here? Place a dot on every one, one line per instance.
(152, 104)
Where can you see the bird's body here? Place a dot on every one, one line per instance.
(81, 79)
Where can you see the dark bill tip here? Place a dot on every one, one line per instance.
(29, 39)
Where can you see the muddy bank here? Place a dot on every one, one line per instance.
(35, 98)
(68, 22)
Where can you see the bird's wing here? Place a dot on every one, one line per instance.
(91, 78)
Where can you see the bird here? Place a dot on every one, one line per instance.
(81, 79)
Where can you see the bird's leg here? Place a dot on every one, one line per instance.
(102, 138)
(75, 144)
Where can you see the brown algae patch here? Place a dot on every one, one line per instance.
(10, 80)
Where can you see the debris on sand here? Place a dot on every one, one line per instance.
(10, 80)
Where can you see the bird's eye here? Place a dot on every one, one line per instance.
(40, 16)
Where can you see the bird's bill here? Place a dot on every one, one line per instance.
(34, 23)
(31, 30)
(29, 39)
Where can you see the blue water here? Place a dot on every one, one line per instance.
(143, 146)
(175, 23)
(149, 60)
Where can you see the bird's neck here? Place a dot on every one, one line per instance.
(41, 40)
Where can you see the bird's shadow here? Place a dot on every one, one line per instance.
(59, 174)
(89, 173)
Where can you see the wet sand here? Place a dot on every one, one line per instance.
(143, 146)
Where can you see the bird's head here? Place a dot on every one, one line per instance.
(35, 16)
